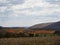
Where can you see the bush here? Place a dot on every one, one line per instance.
(9, 35)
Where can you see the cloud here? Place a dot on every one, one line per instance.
(2, 9)
(53, 1)
(36, 7)
(11, 2)
(28, 12)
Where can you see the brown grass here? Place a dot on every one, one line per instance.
(30, 41)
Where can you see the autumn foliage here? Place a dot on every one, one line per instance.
(23, 33)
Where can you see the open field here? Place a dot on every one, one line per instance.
(31, 41)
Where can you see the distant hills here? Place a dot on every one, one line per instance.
(35, 30)
(43, 26)
(47, 26)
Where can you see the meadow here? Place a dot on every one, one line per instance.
(19, 36)
(53, 40)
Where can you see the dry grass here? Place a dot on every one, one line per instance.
(30, 41)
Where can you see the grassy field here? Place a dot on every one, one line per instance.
(30, 41)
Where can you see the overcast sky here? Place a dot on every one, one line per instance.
(28, 12)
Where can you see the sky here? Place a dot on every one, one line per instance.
(28, 12)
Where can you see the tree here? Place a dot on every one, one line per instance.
(1, 35)
(0, 27)
(8, 34)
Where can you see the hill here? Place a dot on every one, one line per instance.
(47, 26)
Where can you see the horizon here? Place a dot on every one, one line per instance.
(25, 13)
(31, 25)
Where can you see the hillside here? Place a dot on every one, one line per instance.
(46, 26)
